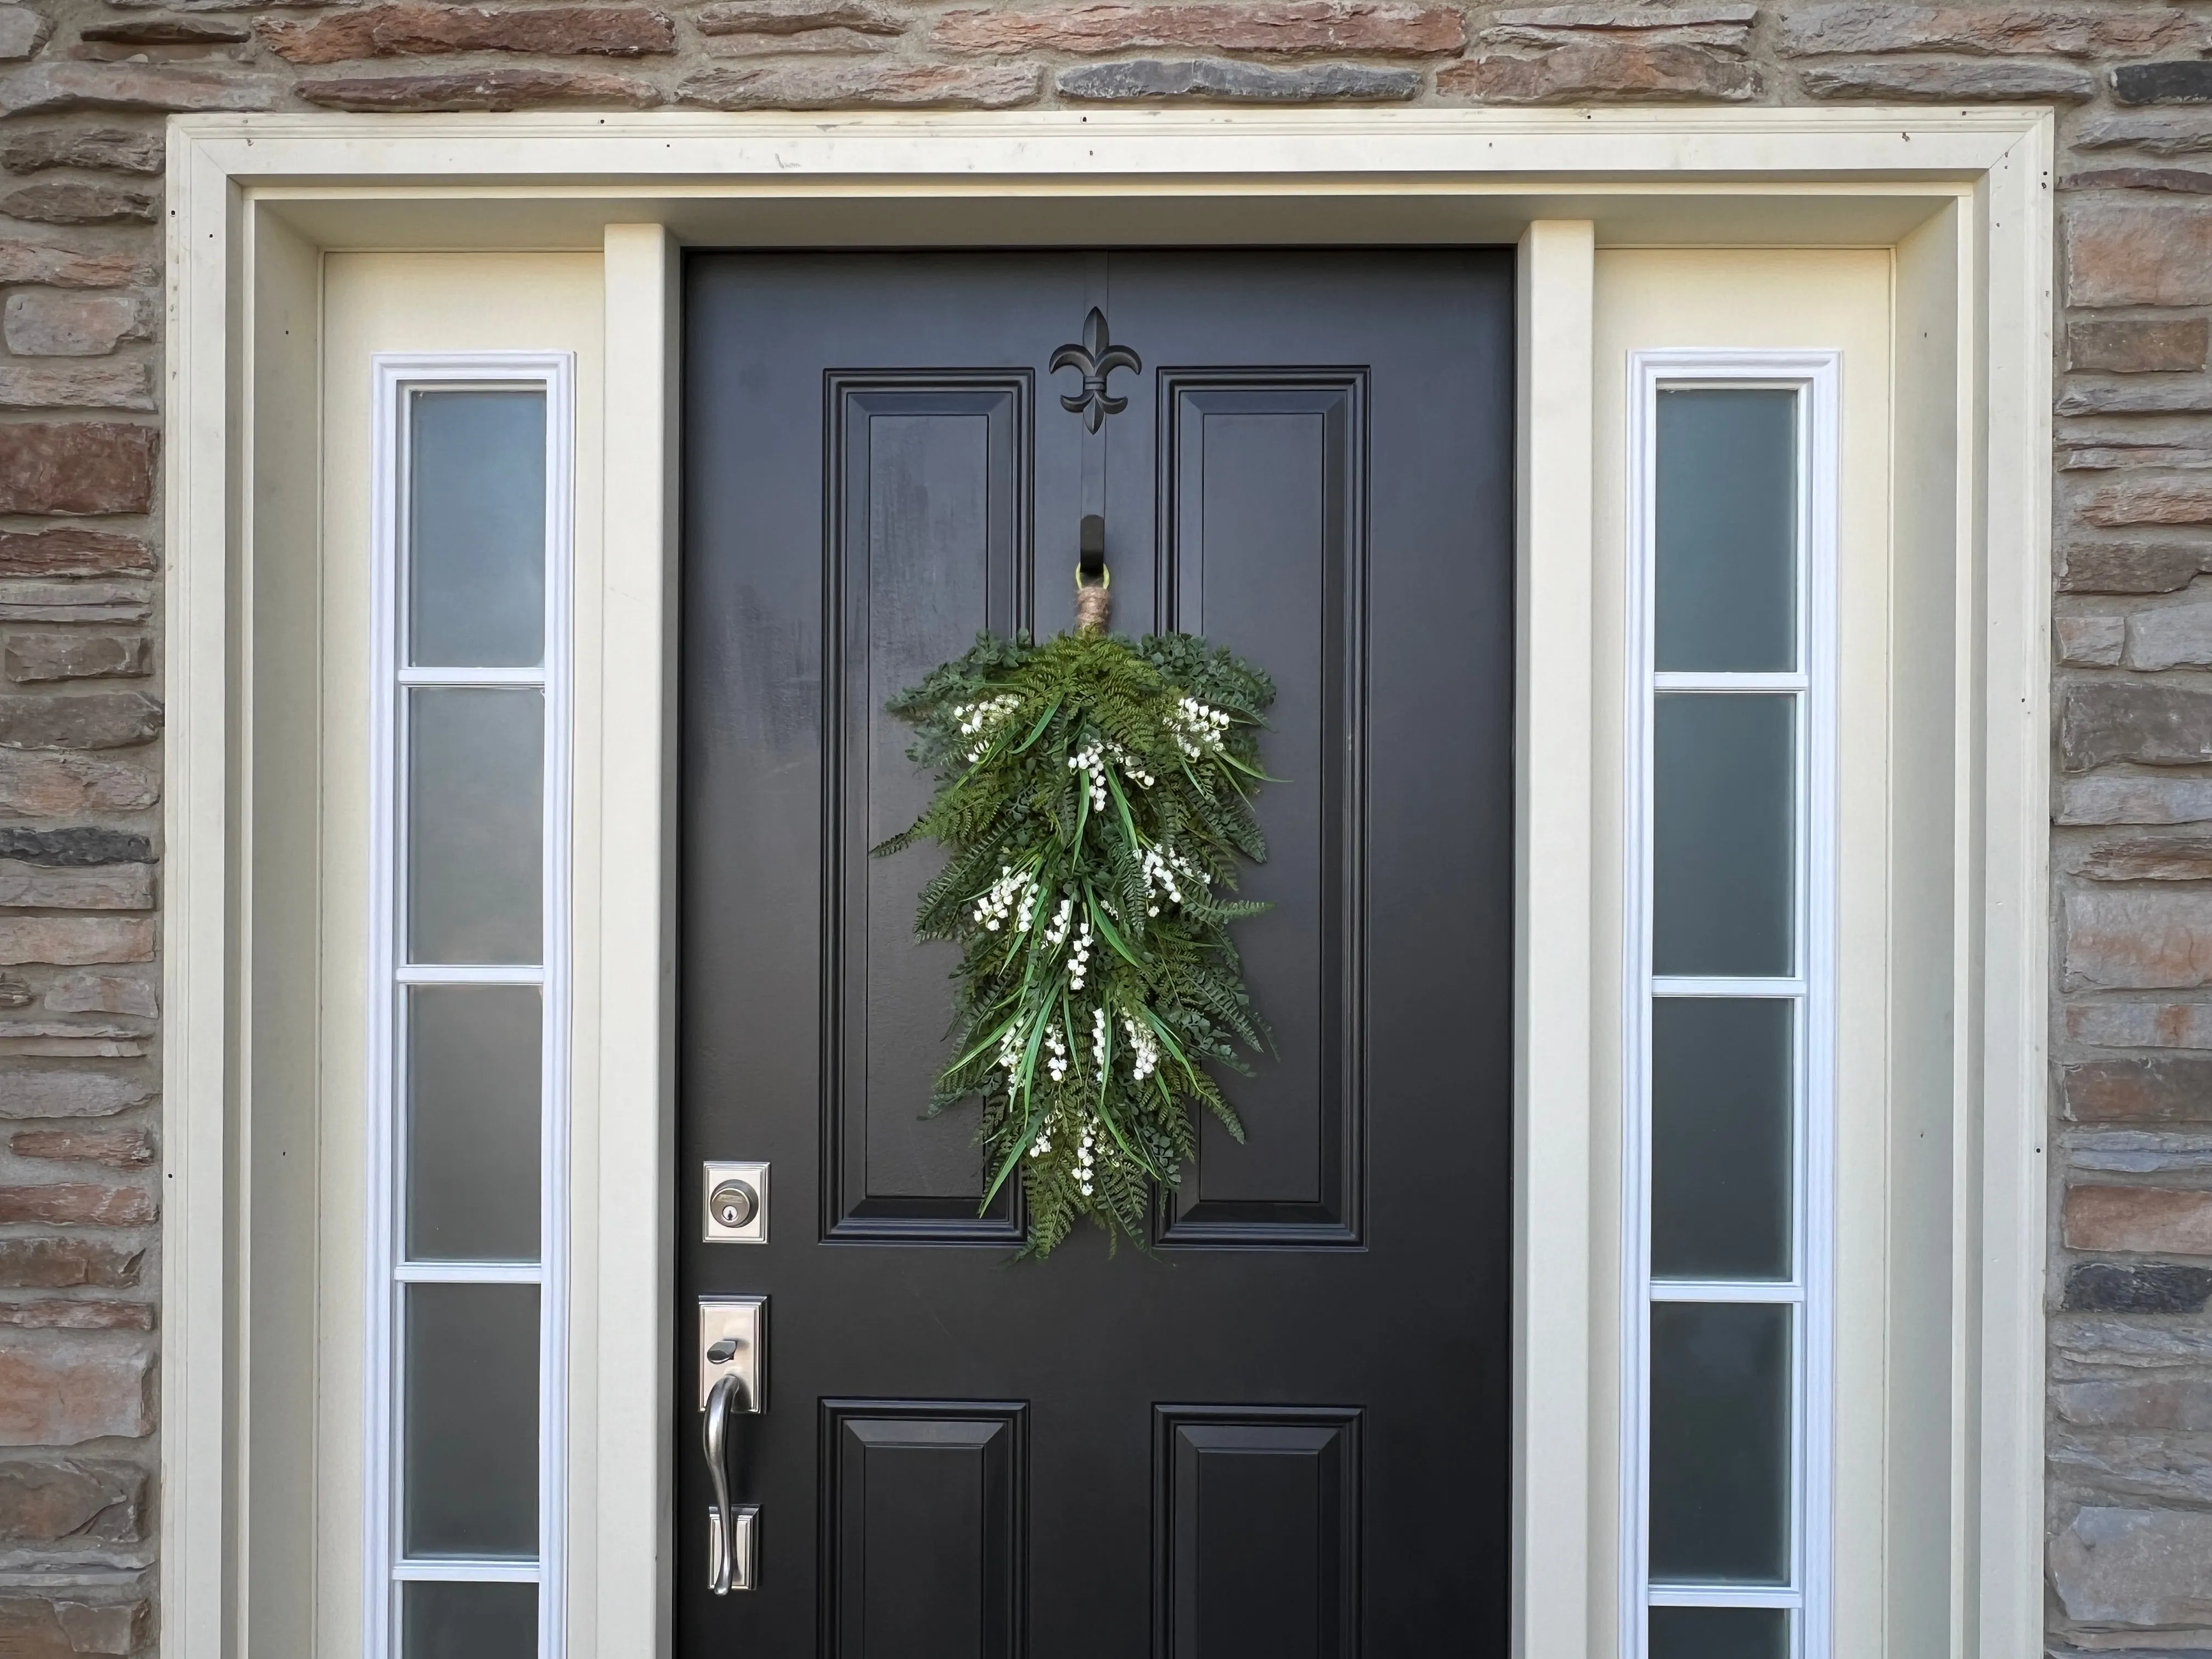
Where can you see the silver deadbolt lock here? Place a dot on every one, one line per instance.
(736, 1203)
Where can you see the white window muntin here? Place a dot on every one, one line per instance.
(1812, 378)
(395, 380)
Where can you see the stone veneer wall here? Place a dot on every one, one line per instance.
(83, 88)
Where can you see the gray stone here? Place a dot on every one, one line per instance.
(111, 148)
(56, 786)
(53, 322)
(13, 993)
(98, 719)
(2138, 1151)
(1975, 81)
(1226, 81)
(22, 32)
(2127, 939)
(2173, 636)
(2130, 1568)
(2135, 800)
(2193, 397)
(796, 17)
(94, 887)
(41, 658)
(2090, 641)
(80, 844)
(2131, 566)
(90, 993)
(2183, 81)
(59, 86)
(75, 602)
(2140, 1024)
(1860, 26)
(2158, 135)
(71, 1500)
(2147, 1287)
(876, 85)
(1609, 69)
(2150, 723)
(2107, 457)
(2160, 1466)
(69, 1093)
(2088, 1341)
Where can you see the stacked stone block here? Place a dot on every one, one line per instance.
(83, 86)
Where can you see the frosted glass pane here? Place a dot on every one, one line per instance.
(1720, 1442)
(476, 522)
(469, 1441)
(1720, 1633)
(1725, 536)
(1721, 1096)
(1724, 792)
(472, 1122)
(468, 1621)
(475, 818)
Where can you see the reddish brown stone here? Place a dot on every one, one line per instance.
(2123, 251)
(82, 202)
(793, 17)
(85, 1388)
(1866, 27)
(38, 659)
(1314, 26)
(2131, 566)
(95, 720)
(131, 1148)
(41, 1627)
(52, 1501)
(2140, 1024)
(55, 786)
(2155, 1220)
(901, 85)
(77, 1315)
(2149, 858)
(78, 468)
(2173, 1089)
(2139, 347)
(78, 1204)
(58, 1264)
(1647, 71)
(72, 552)
(75, 941)
(408, 30)
(2130, 940)
(496, 89)
(112, 149)
(2155, 502)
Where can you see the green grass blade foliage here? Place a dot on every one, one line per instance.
(1094, 801)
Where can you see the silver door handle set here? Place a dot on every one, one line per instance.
(733, 1373)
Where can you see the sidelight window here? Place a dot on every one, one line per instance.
(468, 1108)
(1730, 1015)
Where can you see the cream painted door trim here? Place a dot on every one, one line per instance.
(252, 200)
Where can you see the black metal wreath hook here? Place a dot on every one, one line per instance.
(1096, 358)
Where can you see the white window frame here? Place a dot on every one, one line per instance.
(1815, 378)
(394, 377)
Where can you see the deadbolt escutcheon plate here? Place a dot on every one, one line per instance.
(734, 1197)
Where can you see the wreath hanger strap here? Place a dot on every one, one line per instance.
(1092, 577)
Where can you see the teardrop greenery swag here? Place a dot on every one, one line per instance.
(1094, 799)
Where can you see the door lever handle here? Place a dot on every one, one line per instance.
(732, 1535)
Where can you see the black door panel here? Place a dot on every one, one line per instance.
(1285, 1433)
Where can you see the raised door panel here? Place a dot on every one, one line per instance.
(929, 523)
(1263, 550)
(923, 1534)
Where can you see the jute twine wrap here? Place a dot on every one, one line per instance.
(1093, 604)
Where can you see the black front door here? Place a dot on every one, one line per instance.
(1285, 1433)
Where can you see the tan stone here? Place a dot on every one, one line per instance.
(78, 468)
(64, 85)
(2147, 858)
(37, 658)
(118, 1149)
(2155, 1220)
(493, 89)
(24, 261)
(2090, 641)
(2157, 502)
(2133, 940)
(77, 1315)
(410, 29)
(58, 1264)
(90, 993)
(71, 551)
(2140, 1024)
(2123, 252)
(2186, 398)
(1305, 26)
(825, 86)
(47, 323)
(37, 1627)
(56, 786)
(1647, 71)
(78, 1204)
(2138, 346)
(836, 41)
(75, 602)
(85, 1387)
(75, 941)
(77, 385)
(69, 1092)
(100, 887)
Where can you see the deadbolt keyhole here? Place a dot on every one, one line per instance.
(733, 1203)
